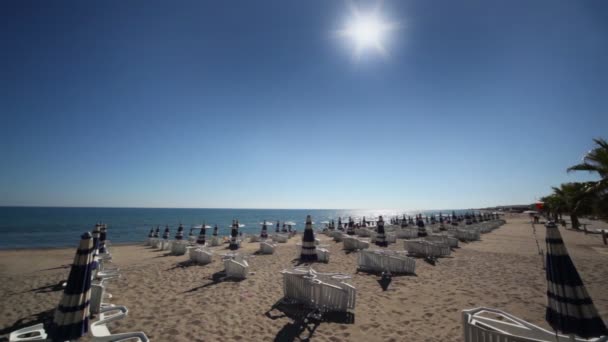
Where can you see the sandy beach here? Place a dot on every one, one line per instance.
(172, 300)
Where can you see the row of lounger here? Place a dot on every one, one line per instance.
(102, 312)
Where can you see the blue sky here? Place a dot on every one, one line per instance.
(258, 104)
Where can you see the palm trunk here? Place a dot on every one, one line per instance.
(574, 219)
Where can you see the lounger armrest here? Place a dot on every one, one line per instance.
(123, 311)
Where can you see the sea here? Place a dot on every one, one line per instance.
(54, 227)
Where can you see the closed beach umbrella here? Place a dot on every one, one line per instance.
(157, 232)
(333, 224)
(201, 235)
(351, 227)
(96, 233)
(180, 232)
(380, 237)
(278, 227)
(71, 319)
(403, 222)
(234, 232)
(570, 310)
(103, 232)
(364, 222)
(264, 233)
(166, 234)
(151, 233)
(215, 230)
(339, 222)
(309, 250)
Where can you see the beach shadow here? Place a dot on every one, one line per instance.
(58, 267)
(164, 255)
(44, 317)
(184, 264)
(216, 278)
(305, 320)
(49, 288)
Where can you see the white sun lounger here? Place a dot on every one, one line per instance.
(267, 247)
(236, 266)
(443, 240)
(201, 255)
(407, 233)
(179, 247)
(254, 238)
(380, 260)
(492, 325)
(337, 235)
(471, 234)
(424, 248)
(351, 243)
(100, 332)
(323, 291)
(280, 238)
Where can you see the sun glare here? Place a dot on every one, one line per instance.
(367, 31)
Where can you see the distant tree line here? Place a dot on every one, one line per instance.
(586, 198)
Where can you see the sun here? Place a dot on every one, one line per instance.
(368, 31)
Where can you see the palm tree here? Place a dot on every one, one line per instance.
(575, 199)
(596, 161)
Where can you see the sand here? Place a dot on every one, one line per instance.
(172, 300)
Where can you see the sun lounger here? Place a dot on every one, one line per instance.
(201, 255)
(425, 249)
(179, 247)
(280, 238)
(267, 247)
(351, 243)
(407, 233)
(236, 266)
(101, 333)
(386, 260)
(323, 291)
(492, 325)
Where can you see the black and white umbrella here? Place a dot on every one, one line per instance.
(180, 232)
(351, 227)
(201, 235)
(234, 233)
(71, 319)
(157, 232)
(570, 310)
(278, 227)
(151, 233)
(96, 233)
(264, 232)
(103, 235)
(215, 230)
(380, 236)
(309, 250)
(166, 233)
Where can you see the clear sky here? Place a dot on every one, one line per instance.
(259, 104)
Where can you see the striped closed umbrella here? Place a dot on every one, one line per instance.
(264, 232)
(278, 227)
(157, 232)
(364, 223)
(570, 310)
(201, 236)
(351, 227)
(340, 223)
(166, 233)
(215, 230)
(103, 234)
(96, 232)
(151, 233)
(180, 232)
(71, 318)
(380, 236)
(234, 232)
(309, 249)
